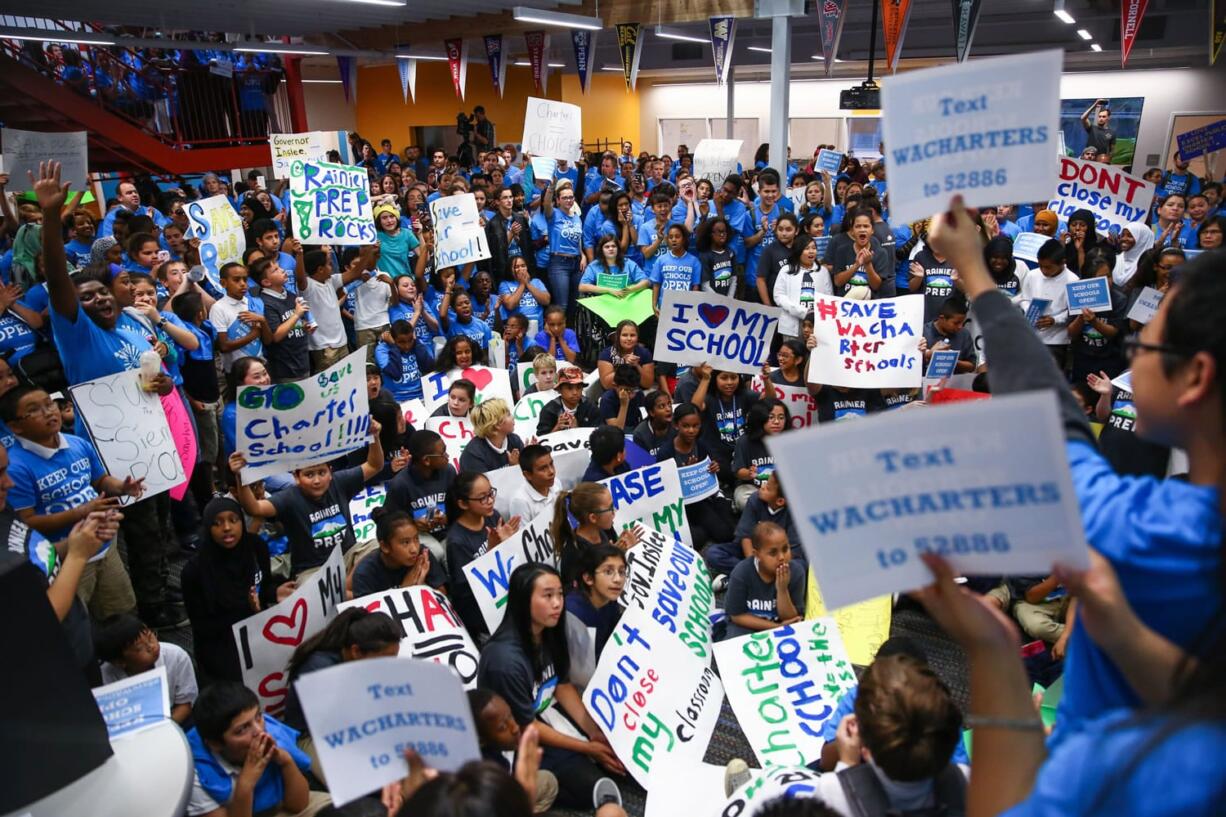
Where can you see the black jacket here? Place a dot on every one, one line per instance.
(499, 262)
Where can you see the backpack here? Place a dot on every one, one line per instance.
(867, 798)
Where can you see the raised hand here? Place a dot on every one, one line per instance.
(48, 190)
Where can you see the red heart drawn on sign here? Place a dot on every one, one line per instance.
(478, 377)
(712, 316)
(293, 622)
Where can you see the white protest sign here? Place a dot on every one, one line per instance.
(134, 704)
(1146, 307)
(768, 786)
(716, 159)
(220, 229)
(801, 405)
(267, 639)
(983, 484)
(653, 495)
(1090, 293)
(361, 508)
(489, 575)
(543, 167)
(364, 714)
(456, 432)
(697, 481)
(415, 412)
(459, 237)
(24, 149)
(287, 148)
(129, 430)
(784, 685)
(430, 629)
(1114, 197)
(829, 161)
(669, 583)
(553, 129)
(571, 451)
(703, 793)
(285, 426)
(702, 327)
(528, 411)
(489, 383)
(984, 129)
(867, 344)
(797, 195)
(330, 204)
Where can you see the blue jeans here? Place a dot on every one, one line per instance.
(563, 281)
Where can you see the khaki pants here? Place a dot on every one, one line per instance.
(370, 339)
(307, 744)
(326, 358)
(1044, 621)
(351, 558)
(546, 791)
(105, 587)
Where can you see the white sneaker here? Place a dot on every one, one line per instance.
(736, 774)
(719, 584)
(605, 791)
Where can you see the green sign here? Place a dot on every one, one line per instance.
(634, 307)
(608, 281)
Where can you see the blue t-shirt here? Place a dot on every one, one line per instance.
(572, 340)
(401, 311)
(17, 338)
(671, 272)
(229, 429)
(755, 220)
(1185, 184)
(631, 270)
(61, 483)
(529, 306)
(97, 351)
(77, 253)
(565, 233)
(539, 228)
(594, 226)
(737, 215)
(476, 330)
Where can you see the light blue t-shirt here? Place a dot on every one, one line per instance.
(529, 306)
(61, 483)
(565, 233)
(476, 330)
(539, 228)
(754, 253)
(633, 272)
(680, 273)
(96, 351)
(408, 385)
(394, 252)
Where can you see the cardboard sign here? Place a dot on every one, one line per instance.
(985, 129)
(331, 204)
(697, 481)
(1026, 246)
(864, 626)
(489, 575)
(1091, 293)
(829, 161)
(129, 430)
(287, 148)
(984, 484)
(669, 582)
(784, 685)
(365, 503)
(1114, 197)
(651, 495)
(716, 159)
(456, 433)
(1204, 140)
(867, 344)
(24, 149)
(802, 406)
(286, 426)
(490, 383)
(1146, 307)
(134, 704)
(459, 237)
(267, 640)
(415, 413)
(363, 714)
(220, 229)
(942, 364)
(702, 327)
(553, 129)
(430, 629)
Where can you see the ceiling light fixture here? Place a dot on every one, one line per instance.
(526, 64)
(616, 68)
(276, 48)
(380, 2)
(1095, 47)
(1064, 16)
(53, 37)
(321, 81)
(1085, 35)
(758, 48)
(544, 17)
(426, 57)
(676, 34)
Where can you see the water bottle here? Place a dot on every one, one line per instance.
(150, 368)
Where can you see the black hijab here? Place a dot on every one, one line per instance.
(229, 573)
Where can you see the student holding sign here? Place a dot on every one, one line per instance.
(1051, 285)
(476, 526)
(1097, 337)
(948, 332)
(711, 518)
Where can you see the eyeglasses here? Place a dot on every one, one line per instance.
(612, 571)
(48, 409)
(603, 510)
(484, 497)
(1134, 347)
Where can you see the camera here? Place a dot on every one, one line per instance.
(463, 124)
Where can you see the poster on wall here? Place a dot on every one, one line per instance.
(1207, 164)
(1124, 122)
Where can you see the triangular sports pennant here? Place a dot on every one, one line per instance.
(1131, 12)
(407, 68)
(1217, 31)
(538, 49)
(457, 61)
(630, 46)
(894, 15)
(498, 62)
(585, 51)
(830, 20)
(723, 33)
(345, 66)
(966, 16)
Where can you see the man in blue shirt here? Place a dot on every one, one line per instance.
(762, 216)
(1178, 181)
(129, 200)
(729, 205)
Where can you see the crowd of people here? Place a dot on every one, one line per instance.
(1137, 637)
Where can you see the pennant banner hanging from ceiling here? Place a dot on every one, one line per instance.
(830, 21)
(457, 60)
(538, 49)
(1131, 12)
(408, 77)
(585, 50)
(1217, 31)
(723, 32)
(345, 66)
(966, 16)
(630, 46)
(894, 15)
(497, 60)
